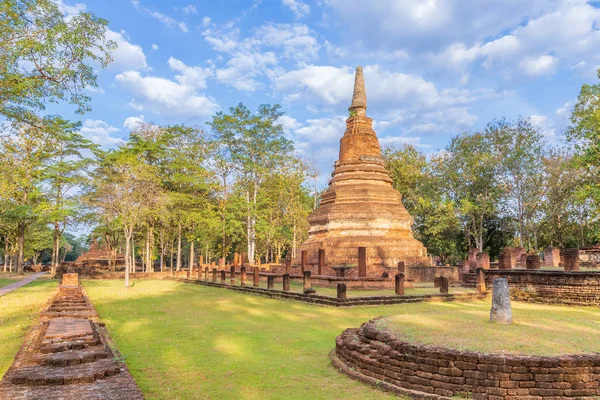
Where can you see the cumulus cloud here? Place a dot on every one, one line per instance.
(132, 122)
(100, 132)
(166, 97)
(189, 9)
(127, 55)
(190, 76)
(299, 8)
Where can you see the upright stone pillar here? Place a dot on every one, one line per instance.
(256, 276)
(480, 273)
(213, 265)
(501, 311)
(401, 267)
(532, 261)
(362, 262)
(306, 283)
(236, 259)
(222, 263)
(506, 260)
(242, 276)
(444, 285)
(472, 259)
(321, 261)
(483, 260)
(436, 281)
(232, 275)
(286, 282)
(551, 257)
(206, 273)
(341, 291)
(303, 260)
(399, 284)
(571, 259)
(201, 261)
(214, 275)
(223, 276)
(187, 274)
(270, 282)
(288, 265)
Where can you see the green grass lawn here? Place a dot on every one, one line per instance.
(18, 310)
(185, 341)
(6, 278)
(537, 329)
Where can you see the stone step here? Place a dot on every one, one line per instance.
(68, 345)
(84, 373)
(73, 357)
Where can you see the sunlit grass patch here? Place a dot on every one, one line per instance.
(18, 310)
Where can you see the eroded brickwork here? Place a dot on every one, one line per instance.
(67, 355)
(379, 358)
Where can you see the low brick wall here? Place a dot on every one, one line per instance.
(573, 288)
(333, 301)
(379, 358)
(426, 274)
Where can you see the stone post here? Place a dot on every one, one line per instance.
(256, 276)
(399, 284)
(187, 274)
(236, 259)
(321, 263)
(532, 262)
(306, 282)
(551, 257)
(270, 282)
(242, 276)
(222, 263)
(443, 282)
(286, 282)
(214, 275)
(303, 260)
(480, 273)
(206, 273)
(288, 265)
(362, 262)
(232, 275)
(223, 276)
(213, 265)
(436, 282)
(506, 260)
(472, 259)
(571, 259)
(401, 267)
(501, 311)
(483, 260)
(341, 291)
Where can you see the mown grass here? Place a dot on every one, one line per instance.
(18, 310)
(6, 278)
(537, 329)
(185, 341)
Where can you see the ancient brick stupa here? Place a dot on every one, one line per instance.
(360, 208)
(98, 256)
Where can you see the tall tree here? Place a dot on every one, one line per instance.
(46, 56)
(257, 145)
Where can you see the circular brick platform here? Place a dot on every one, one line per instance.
(381, 359)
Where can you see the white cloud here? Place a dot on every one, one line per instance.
(190, 76)
(166, 97)
(299, 8)
(296, 40)
(127, 56)
(189, 9)
(163, 18)
(536, 66)
(240, 71)
(132, 122)
(154, 47)
(327, 130)
(206, 21)
(99, 132)
(68, 10)
(544, 124)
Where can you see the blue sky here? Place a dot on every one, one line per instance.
(433, 68)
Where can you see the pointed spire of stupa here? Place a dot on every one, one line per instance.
(359, 98)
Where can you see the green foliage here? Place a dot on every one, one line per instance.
(47, 57)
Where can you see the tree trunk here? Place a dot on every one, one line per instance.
(132, 254)
(178, 247)
(127, 257)
(21, 248)
(6, 255)
(191, 263)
